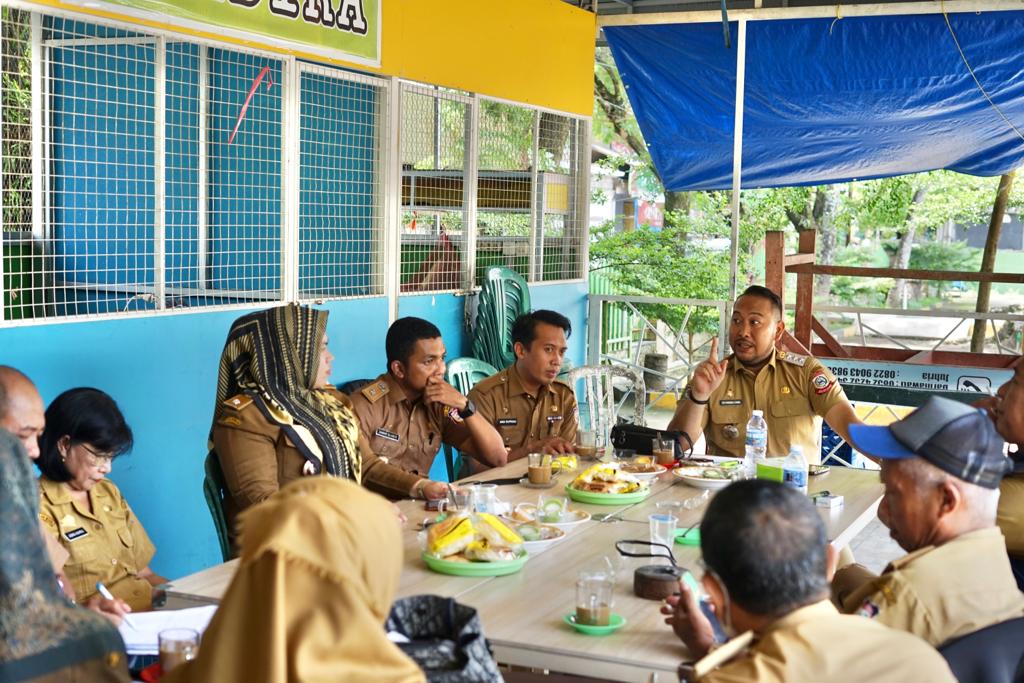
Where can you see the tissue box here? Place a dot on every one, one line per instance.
(827, 500)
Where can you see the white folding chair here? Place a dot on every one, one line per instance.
(598, 395)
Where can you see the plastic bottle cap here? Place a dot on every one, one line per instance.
(758, 413)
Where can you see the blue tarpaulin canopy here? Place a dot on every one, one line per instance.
(828, 100)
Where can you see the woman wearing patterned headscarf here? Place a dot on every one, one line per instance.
(43, 637)
(277, 418)
(319, 569)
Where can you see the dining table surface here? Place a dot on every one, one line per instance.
(523, 613)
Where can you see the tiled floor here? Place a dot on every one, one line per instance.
(873, 548)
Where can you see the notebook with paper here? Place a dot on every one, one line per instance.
(141, 630)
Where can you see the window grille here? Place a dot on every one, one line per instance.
(145, 172)
(433, 141)
(341, 204)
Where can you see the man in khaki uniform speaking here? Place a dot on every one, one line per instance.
(766, 562)
(407, 412)
(532, 410)
(941, 467)
(792, 390)
(1006, 409)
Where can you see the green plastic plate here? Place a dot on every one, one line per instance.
(691, 537)
(476, 568)
(615, 622)
(607, 498)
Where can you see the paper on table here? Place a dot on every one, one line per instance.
(140, 630)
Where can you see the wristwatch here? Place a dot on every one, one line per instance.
(692, 399)
(469, 411)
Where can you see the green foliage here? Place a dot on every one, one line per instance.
(859, 291)
(941, 256)
(16, 106)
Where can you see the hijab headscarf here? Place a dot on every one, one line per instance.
(40, 631)
(319, 568)
(272, 357)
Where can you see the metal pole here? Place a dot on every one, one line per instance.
(737, 155)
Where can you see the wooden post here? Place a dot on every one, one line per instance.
(774, 262)
(805, 291)
(988, 259)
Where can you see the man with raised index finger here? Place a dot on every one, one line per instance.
(792, 390)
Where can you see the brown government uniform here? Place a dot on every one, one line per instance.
(938, 592)
(107, 544)
(1010, 515)
(406, 433)
(791, 389)
(520, 417)
(816, 643)
(258, 458)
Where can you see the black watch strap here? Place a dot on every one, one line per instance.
(469, 411)
(692, 399)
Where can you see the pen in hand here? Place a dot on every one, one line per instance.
(105, 592)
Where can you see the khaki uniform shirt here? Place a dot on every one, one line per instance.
(521, 418)
(937, 593)
(816, 643)
(792, 390)
(54, 550)
(258, 458)
(1010, 516)
(406, 433)
(107, 544)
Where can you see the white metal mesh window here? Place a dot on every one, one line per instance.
(433, 154)
(560, 194)
(506, 161)
(341, 202)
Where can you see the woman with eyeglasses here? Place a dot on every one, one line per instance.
(83, 509)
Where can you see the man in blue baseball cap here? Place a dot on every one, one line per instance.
(941, 468)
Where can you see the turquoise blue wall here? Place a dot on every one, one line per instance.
(162, 372)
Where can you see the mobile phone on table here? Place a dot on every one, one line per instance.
(705, 605)
(815, 470)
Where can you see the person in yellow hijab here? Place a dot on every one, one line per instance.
(318, 571)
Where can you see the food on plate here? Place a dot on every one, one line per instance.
(641, 468)
(531, 531)
(562, 463)
(606, 478)
(473, 538)
(724, 470)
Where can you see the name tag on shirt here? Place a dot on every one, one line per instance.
(508, 422)
(385, 434)
(730, 402)
(75, 533)
(554, 418)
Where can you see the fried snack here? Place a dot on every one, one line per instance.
(450, 536)
(483, 551)
(606, 478)
(496, 532)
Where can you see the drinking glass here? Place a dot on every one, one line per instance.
(664, 450)
(594, 598)
(177, 645)
(663, 530)
(586, 443)
(483, 497)
(538, 468)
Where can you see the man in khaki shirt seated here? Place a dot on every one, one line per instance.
(766, 561)
(941, 467)
(410, 410)
(21, 413)
(792, 390)
(1006, 409)
(533, 411)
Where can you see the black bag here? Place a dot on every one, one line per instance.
(446, 639)
(636, 438)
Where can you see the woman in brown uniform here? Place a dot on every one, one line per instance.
(277, 418)
(83, 509)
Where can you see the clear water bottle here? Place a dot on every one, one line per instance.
(795, 470)
(757, 443)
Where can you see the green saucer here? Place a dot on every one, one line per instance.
(688, 536)
(615, 622)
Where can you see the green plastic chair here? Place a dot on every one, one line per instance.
(214, 490)
(504, 296)
(463, 374)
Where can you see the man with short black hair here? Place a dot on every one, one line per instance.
(791, 390)
(407, 412)
(532, 410)
(766, 560)
(941, 467)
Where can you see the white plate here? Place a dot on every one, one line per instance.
(700, 482)
(570, 518)
(648, 476)
(534, 547)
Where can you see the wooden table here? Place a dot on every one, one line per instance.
(522, 613)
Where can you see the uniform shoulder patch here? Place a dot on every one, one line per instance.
(375, 391)
(238, 402)
(821, 382)
(793, 358)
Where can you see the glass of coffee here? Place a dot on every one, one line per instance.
(539, 468)
(594, 598)
(586, 443)
(177, 645)
(664, 450)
